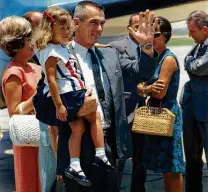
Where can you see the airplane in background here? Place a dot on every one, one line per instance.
(113, 8)
(116, 8)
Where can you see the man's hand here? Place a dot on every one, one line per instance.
(88, 92)
(145, 32)
(89, 106)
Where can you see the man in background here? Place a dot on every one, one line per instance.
(194, 101)
(127, 47)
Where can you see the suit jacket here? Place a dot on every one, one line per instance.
(119, 67)
(130, 86)
(196, 89)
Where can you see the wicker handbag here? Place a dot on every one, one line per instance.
(153, 121)
(24, 130)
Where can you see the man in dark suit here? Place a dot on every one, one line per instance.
(89, 20)
(128, 47)
(194, 101)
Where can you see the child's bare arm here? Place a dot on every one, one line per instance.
(50, 67)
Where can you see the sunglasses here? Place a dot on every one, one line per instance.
(157, 34)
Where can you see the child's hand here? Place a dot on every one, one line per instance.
(88, 92)
(61, 113)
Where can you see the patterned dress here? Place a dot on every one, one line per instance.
(164, 154)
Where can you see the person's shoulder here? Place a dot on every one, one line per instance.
(50, 47)
(170, 60)
(107, 50)
(170, 55)
(12, 69)
(118, 42)
(52, 50)
(119, 45)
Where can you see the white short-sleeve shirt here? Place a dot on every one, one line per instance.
(68, 77)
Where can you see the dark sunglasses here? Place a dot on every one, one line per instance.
(157, 34)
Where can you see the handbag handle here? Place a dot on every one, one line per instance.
(21, 108)
(149, 102)
(159, 108)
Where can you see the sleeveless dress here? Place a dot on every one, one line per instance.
(26, 166)
(164, 154)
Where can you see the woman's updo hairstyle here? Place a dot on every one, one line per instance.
(14, 32)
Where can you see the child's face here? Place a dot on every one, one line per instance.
(61, 33)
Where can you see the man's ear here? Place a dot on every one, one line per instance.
(76, 22)
(206, 29)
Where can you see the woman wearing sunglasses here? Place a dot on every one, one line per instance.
(164, 154)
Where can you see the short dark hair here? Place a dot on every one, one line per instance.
(199, 17)
(165, 27)
(131, 18)
(79, 9)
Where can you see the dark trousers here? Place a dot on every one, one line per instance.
(138, 177)
(195, 137)
(102, 180)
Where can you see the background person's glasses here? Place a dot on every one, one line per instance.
(157, 34)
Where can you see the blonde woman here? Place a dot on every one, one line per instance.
(19, 85)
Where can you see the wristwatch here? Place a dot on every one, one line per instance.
(147, 46)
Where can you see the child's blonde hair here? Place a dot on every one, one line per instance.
(43, 34)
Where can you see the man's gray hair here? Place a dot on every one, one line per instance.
(199, 17)
(79, 11)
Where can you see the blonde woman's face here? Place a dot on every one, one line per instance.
(61, 33)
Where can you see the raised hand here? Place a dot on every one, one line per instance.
(146, 29)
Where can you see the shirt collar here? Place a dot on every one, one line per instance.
(206, 42)
(132, 42)
(79, 49)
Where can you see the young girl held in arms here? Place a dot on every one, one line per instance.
(65, 91)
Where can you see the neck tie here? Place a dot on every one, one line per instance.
(138, 51)
(97, 75)
(199, 50)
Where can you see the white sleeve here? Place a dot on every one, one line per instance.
(49, 51)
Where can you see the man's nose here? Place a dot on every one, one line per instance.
(100, 27)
